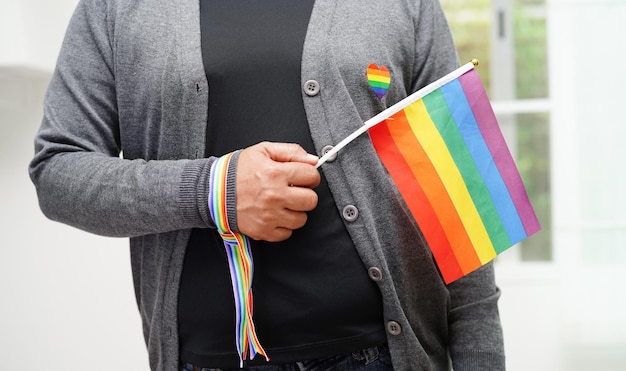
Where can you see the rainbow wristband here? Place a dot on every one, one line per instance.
(240, 263)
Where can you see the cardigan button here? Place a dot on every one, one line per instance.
(311, 88)
(325, 150)
(350, 213)
(394, 328)
(375, 274)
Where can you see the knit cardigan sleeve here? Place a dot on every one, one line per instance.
(77, 170)
(475, 331)
(474, 322)
(474, 327)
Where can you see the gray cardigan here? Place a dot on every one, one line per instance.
(130, 80)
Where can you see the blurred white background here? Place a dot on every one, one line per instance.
(67, 299)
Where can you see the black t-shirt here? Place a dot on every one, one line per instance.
(312, 295)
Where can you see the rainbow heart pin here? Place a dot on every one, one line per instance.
(379, 79)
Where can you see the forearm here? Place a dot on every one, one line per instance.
(115, 197)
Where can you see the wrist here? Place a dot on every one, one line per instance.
(222, 198)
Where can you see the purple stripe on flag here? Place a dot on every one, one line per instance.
(478, 101)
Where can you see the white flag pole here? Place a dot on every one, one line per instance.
(397, 108)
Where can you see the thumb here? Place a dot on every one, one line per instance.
(288, 152)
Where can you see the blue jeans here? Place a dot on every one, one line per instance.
(371, 359)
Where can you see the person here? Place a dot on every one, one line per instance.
(147, 96)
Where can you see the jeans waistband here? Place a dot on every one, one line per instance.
(363, 357)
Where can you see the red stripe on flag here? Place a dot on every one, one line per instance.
(415, 198)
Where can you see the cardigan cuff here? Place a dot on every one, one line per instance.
(477, 360)
(193, 191)
(231, 192)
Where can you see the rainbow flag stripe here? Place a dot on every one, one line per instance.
(447, 156)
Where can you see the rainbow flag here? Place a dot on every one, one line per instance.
(444, 150)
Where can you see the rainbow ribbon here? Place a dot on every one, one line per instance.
(240, 262)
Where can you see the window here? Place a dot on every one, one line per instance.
(509, 39)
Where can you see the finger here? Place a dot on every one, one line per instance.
(300, 199)
(287, 222)
(301, 175)
(277, 235)
(288, 152)
(292, 220)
